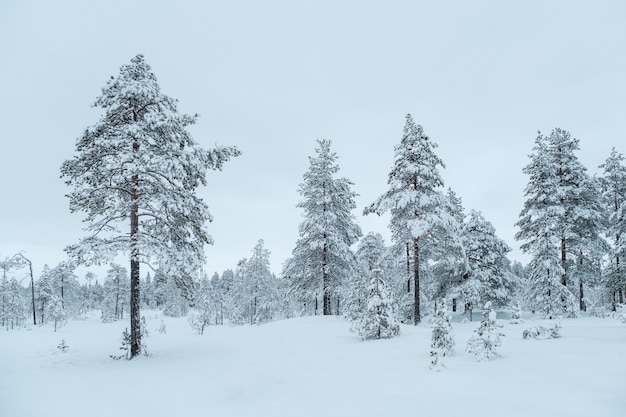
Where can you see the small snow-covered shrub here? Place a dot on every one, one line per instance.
(125, 346)
(442, 342)
(540, 332)
(198, 320)
(162, 328)
(597, 310)
(483, 345)
(516, 314)
(62, 346)
(379, 320)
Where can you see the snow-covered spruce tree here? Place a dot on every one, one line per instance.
(541, 229)
(442, 341)
(139, 166)
(415, 199)
(379, 319)
(483, 345)
(487, 259)
(369, 253)
(322, 259)
(613, 183)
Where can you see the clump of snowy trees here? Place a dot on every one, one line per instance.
(138, 166)
(571, 225)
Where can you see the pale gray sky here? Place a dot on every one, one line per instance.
(271, 77)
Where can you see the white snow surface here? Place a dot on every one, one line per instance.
(309, 367)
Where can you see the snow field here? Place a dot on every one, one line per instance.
(309, 366)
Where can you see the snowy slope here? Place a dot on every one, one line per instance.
(309, 367)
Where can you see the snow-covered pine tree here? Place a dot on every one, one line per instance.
(139, 165)
(66, 287)
(13, 304)
(44, 293)
(379, 320)
(484, 344)
(56, 311)
(262, 291)
(322, 259)
(450, 262)
(614, 198)
(116, 294)
(442, 341)
(415, 199)
(580, 211)
(541, 229)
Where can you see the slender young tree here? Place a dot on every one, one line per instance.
(322, 258)
(442, 340)
(379, 320)
(414, 199)
(138, 166)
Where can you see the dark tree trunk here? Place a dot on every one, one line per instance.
(32, 289)
(62, 292)
(416, 285)
(135, 319)
(563, 262)
(581, 301)
(408, 268)
(581, 294)
(326, 281)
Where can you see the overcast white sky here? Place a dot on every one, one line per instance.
(271, 77)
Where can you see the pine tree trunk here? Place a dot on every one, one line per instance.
(32, 292)
(326, 279)
(408, 268)
(416, 285)
(563, 262)
(135, 320)
(581, 302)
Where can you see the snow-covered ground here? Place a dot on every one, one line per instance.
(309, 367)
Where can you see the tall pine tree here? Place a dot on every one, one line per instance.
(138, 166)
(322, 258)
(414, 199)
